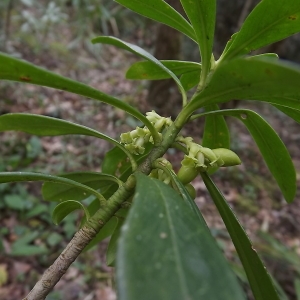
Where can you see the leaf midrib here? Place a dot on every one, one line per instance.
(237, 50)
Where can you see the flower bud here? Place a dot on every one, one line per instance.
(187, 174)
(229, 157)
(126, 138)
(191, 190)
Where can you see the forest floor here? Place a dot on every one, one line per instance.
(25, 222)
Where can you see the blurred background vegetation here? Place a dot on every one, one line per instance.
(56, 35)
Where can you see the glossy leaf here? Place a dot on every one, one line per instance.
(19, 70)
(262, 28)
(264, 55)
(190, 80)
(216, 133)
(149, 71)
(259, 279)
(267, 80)
(54, 191)
(185, 263)
(30, 176)
(112, 246)
(271, 147)
(112, 160)
(202, 15)
(229, 43)
(142, 53)
(106, 231)
(188, 200)
(65, 208)
(292, 113)
(47, 126)
(162, 12)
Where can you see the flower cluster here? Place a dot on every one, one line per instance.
(136, 139)
(160, 175)
(199, 157)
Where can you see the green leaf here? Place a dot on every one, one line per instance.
(142, 53)
(15, 202)
(47, 126)
(269, 22)
(115, 162)
(186, 263)
(202, 15)
(54, 239)
(216, 132)
(149, 71)
(111, 251)
(189, 201)
(160, 11)
(28, 250)
(264, 55)
(54, 191)
(271, 147)
(28, 238)
(259, 279)
(292, 113)
(190, 80)
(30, 176)
(22, 246)
(112, 160)
(267, 80)
(65, 208)
(19, 70)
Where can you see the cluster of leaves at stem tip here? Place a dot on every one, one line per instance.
(165, 250)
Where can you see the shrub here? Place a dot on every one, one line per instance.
(161, 244)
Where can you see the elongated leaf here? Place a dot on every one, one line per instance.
(65, 208)
(106, 231)
(188, 200)
(267, 80)
(264, 55)
(19, 70)
(30, 176)
(269, 22)
(259, 279)
(229, 43)
(28, 250)
(142, 53)
(271, 147)
(202, 15)
(149, 71)
(162, 12)
(292, 113)
(26, 239)
(185, 262)
(216, 132)
(112, 160)
(190, 80)
(111, 251)
(47, 126)
(54, 191)
(115, 162)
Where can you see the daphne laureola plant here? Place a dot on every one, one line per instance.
(160, 243)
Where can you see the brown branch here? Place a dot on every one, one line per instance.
(61, 264)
